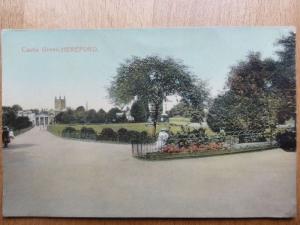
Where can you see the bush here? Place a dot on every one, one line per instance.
(107, 134)
(133, 135)
(88, 133)
(287, 140)
(123, 135)
(248, 138)
(139, 111)
(70, 132)
(22, 122)
(187, 137)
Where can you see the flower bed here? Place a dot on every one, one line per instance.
(196, 147)
(197, 144)
(199, 154)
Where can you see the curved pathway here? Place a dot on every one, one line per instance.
(45, 175)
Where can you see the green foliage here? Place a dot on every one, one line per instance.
(197, 115)
(70, 132)
(284, 80)
(8, 116)
(123, 135)
(107, 134)
(187, 136)
(192, 106)
(66, 117)
(16, 108)
(151, 79)
(91, 116)
(80, 114)
(10, 119)
(101, 116)
(22, 122)
(231, 112)
(260, 92)
(287, 140)
(88, 133)
(180, 109)
(139, 111)
(111, 115)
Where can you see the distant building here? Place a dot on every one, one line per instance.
(43, 118)
(29, 114)
(59, 104)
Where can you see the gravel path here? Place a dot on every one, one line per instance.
(45, 175)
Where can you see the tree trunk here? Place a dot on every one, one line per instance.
(155, 118)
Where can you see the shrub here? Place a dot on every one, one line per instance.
(22, 122)
(134, 135)
(123, 135)
(139, 111)
(287, 140)
(128, 136)
(187, 137)
(87, 133)
(107, 134)
(70, 132)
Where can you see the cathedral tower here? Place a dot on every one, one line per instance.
(59, 103)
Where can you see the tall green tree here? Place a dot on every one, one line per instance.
(66, 117)
(284, 80)
(111, 115)
(91, 116)
(80, 114)
(248, 103)
(101, 116)
(139, 111)
(16, 108)
(151, 79)
(8, 116)
(231, 113)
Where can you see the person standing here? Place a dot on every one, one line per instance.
(5, 136)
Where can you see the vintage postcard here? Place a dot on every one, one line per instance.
(149, 123)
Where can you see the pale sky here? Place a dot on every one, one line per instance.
(33, 79)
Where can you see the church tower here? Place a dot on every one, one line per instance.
(60, 103)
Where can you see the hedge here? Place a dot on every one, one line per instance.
(287, 140)
(107, 134)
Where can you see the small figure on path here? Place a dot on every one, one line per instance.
(11, 134)
(5, 136)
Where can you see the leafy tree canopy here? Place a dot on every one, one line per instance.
(151, 79)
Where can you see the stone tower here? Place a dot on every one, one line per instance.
(59, 103)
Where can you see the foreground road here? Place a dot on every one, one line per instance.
(45, 175)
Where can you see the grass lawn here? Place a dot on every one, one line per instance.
(174, 125)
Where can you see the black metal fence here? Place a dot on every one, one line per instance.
(140, 149)
(240, 141)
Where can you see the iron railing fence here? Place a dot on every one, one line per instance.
(237, 141)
